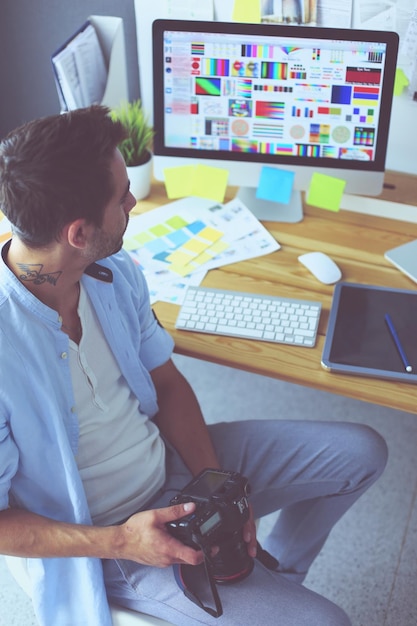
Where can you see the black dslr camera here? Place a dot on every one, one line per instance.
(221, 512)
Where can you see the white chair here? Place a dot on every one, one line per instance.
(120, 616)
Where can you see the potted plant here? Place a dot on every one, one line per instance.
(136, 148)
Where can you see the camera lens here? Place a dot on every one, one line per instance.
(232, 563)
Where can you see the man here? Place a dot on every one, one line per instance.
(98, 429)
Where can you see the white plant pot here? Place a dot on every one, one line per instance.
(140, 179)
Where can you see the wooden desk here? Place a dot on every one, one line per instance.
(357, 243)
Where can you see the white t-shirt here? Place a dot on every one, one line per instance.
(121, 455)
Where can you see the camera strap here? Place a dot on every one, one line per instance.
(193, 579)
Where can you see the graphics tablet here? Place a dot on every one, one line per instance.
(359, 339)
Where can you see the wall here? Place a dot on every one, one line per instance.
(30, 31)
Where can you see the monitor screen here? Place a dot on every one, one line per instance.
(300, 97)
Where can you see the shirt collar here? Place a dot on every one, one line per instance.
(99, 272)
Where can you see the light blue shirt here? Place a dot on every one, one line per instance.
(39, 425)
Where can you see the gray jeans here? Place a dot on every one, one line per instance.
(312, 472)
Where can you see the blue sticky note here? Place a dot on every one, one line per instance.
(162, 256)
(275, 185)
(196, 226)
(156, 246)
(178, 237)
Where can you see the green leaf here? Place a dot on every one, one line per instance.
(137, 146)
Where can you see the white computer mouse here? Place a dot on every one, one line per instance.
(321, 266)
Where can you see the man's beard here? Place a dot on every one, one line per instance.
(105, 244)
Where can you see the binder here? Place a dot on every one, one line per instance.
(90, 67)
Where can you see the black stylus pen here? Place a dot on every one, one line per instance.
(398, 343)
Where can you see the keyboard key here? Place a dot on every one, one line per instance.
(253, 333)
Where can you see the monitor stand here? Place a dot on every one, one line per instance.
(268, 210)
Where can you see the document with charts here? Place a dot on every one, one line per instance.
(177, 243)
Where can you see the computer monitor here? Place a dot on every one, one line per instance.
(246, 96)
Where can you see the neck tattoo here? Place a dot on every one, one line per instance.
(33, 273)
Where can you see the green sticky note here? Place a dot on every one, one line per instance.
(247, 11)
(143, 238)
(325, 192)
(210, 182)
(159, 230)
(179, 181)
(401, 81)
(176, 222)
(130, 244)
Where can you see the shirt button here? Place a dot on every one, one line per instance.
(60, 319)
(64, 355)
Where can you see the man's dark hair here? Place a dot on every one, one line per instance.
(57, 169)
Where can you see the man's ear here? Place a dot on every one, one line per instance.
(78, 233)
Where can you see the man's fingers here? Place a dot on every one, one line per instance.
(175, 512)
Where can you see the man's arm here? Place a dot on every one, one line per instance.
(180, 419)
(143, 538)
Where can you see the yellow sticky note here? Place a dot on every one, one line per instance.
(217, 248)
(179, 181)
(180, 258)
(401, 81)
(203, 258)
(325, 192)
(196, 245)
(247, 11)
(210, 182)
(183, 270)
(210, 234)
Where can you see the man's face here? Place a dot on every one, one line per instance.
(109, 236)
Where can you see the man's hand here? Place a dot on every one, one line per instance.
(146, 540)
(249, 534)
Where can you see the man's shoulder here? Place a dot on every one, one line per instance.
(121, 274)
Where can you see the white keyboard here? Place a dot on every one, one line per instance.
(250, 316)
